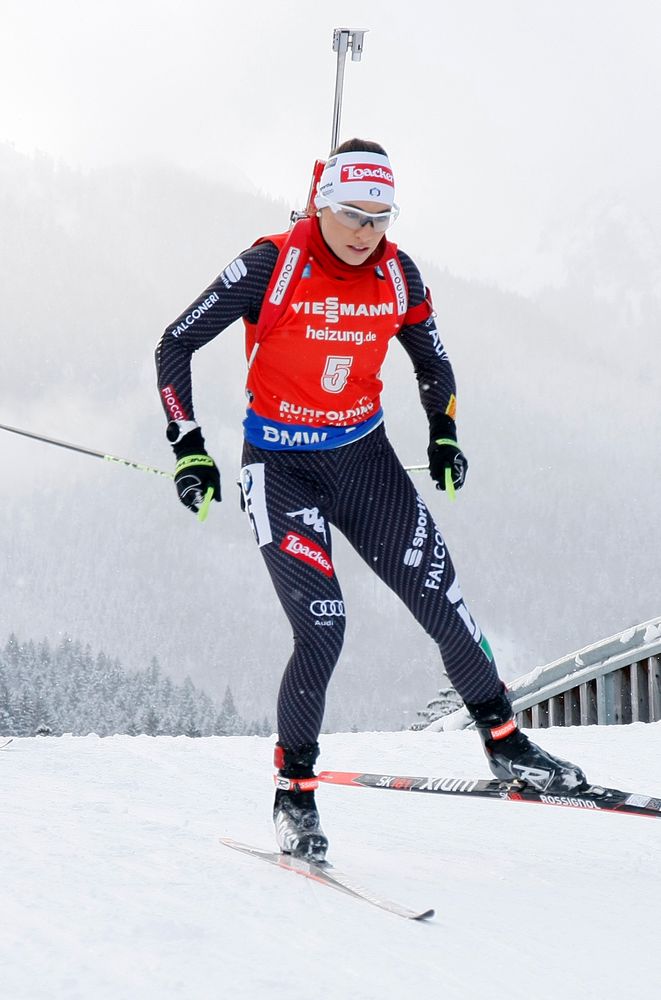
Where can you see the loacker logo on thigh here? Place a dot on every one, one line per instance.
(301, 548)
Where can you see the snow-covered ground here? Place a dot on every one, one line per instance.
(115, 886)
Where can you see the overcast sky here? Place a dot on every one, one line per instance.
(501, 117)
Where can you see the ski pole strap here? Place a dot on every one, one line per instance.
(188, 460)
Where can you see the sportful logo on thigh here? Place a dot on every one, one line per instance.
(305, 550)
(413, 555)
(254, 497)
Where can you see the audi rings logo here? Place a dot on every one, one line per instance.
(321, 609)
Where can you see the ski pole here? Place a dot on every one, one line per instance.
(449, 485)
(140, 466)
(206, 503)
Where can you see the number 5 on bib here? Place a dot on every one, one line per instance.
(336, 373)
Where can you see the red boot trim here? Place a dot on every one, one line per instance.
(296, 784)
(500, 732)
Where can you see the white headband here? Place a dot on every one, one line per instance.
(357, 177)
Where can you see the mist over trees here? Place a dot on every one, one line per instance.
(558, 414)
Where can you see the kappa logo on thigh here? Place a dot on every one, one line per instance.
(311, 518)
(305, 550)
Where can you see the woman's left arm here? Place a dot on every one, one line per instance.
(422, 343)
(436, 383)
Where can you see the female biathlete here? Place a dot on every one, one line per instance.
(320, 305)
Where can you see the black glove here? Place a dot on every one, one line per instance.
(444, 452)
(195, 471)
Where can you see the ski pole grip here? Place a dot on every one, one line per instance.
(449, 485)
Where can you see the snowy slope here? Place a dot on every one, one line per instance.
(114, 884)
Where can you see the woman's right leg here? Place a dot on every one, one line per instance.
(285, 508)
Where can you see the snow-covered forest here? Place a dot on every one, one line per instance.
(48, 691)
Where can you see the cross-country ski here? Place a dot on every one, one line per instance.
(326, 874)
(592, 798)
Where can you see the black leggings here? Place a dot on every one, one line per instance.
(362, 489)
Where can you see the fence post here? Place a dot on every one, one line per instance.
(654, 681)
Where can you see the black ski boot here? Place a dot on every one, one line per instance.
(513, 757)
(295, 814)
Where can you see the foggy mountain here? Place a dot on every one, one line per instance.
(552, 535)
(607, 267)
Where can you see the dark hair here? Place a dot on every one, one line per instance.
(359, 146)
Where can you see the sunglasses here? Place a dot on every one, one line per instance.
(356, 218)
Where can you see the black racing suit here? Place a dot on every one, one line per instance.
(293, 498)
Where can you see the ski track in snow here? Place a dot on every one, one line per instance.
(115, 886)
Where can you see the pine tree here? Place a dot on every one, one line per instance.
(229, 721)
(446, 702)
(151, 723)
(267, 728)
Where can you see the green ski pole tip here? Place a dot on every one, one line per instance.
(449, 485)
(206, 503)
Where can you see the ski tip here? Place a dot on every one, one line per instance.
(425, 915)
